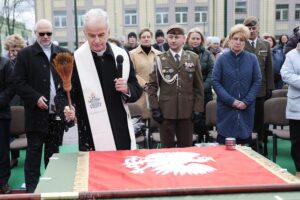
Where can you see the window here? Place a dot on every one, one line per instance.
(80, 15)
(130, 17)
(200, 14)
(239, 21)
(162, 16)
(181, 15)
(240, 7)
(297, 12)
(282, 11)
(63, 44)
(60, 19)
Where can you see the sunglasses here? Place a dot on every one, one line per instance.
(43, 34)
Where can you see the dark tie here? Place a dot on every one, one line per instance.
(161, 48)
(252, 44)
(177, 58)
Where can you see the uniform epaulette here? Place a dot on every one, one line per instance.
(161, 53)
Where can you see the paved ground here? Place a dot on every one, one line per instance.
(71, 137)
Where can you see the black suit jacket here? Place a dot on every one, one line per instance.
(32, 80)
(165, 45)
(6, 90)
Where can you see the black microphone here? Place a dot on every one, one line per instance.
(120, 60)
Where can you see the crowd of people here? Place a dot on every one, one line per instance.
(171, 80)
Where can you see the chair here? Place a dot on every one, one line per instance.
(154, 135)
(211, 118)
(139, 125)
(279, 93)
(274, 110)
(17, 128)
(211, 121)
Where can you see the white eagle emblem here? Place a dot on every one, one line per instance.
(178, 163)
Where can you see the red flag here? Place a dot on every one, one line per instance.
(175, 168)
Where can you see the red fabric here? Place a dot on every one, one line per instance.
(233, 168)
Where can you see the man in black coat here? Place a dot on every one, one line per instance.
(6, 94)
(293, 41)
(37, 82)
(160, 44)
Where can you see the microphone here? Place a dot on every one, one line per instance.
(120, 60)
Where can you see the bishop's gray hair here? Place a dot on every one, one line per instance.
(94, 14)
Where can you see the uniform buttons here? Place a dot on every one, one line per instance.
(179, 93)
(44, 66)
(44, 80)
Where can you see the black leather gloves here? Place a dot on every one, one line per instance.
(197, 117)
(157, 115)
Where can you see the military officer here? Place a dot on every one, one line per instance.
(262, 50)
(176, 96)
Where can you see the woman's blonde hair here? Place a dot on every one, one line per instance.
(195, 30)
(241, 29)
(14, 40)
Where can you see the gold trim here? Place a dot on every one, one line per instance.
(82, 173)
(268, 164)
(60, 195)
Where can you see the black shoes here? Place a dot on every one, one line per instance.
(5, 189)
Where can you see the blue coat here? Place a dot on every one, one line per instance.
(236, 77)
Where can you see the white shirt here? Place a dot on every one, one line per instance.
(174, 53)
(47, 51)
(250, 41)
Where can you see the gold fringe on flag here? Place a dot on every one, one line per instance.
(82, 173)
(268, 164)
(63, 64)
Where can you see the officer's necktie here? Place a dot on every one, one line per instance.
(177, 59)
(252, 44)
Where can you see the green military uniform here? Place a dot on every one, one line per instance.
(264, 56)
(177, 90)
(263, 53)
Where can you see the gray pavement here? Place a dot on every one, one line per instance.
(71, 137)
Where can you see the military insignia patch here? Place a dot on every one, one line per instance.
(171, 70)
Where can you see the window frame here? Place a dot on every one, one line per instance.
(201, 12)
(182, 15)
(162, 14)
(130, 16)
(60, 19)
(240, 9)
(280, 13)
(297, 11)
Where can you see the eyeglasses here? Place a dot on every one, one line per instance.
(43, 34)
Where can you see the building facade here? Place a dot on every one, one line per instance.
(213, 17)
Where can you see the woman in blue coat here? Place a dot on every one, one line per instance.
(236, 80)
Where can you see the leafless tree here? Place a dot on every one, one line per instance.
(9, 9)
